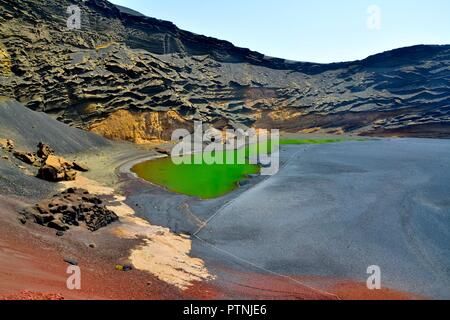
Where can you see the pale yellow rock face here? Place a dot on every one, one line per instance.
(56, 162)
(5, 63)
(140, 128)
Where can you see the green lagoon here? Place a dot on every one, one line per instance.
(208, 181)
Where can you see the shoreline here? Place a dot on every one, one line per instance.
(126, 168)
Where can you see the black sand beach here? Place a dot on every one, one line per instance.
(333, 211)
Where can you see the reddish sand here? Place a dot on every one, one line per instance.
(29, 295)
(348, 290)
(243, 285)
(32, 263)
(32, 267)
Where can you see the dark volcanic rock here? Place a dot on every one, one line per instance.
(164, 151)
(55, 169)
(72, 262)
(56, 174)
(79, 167)
(44, 151)
(73, 207)
(27, 157)
(123, 60)
(52, 168)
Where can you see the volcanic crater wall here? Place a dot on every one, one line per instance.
(125, 66)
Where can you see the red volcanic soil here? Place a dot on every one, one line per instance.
(348, 290)
(243, 285)
(32, 267)
(29, 295)
(32, 264)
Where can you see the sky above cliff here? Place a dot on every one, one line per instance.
(316, 31)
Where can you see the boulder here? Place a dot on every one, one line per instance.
(166, 152)
(56, 169)
(79, 167)
(70, 175)
(43, 219)
(57, 162)
(58, 225)
(50, 174)
(53, 174)
(71, 208)
(44, 151)
(7, 144)
(243, 183)
(27, 157)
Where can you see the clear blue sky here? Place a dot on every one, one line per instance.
(307, 30)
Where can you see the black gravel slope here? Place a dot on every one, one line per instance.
(27, 128)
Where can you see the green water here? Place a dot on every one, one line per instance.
(208, 181)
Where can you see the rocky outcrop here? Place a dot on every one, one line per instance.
(7, 144)
(125, 64)
(44, 151)
(79, 167)
(5, 63)
(51, 168)
(56, 169)
(27, 157)
(164, 151)
(72, 208)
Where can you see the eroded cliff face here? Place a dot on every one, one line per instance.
(142, 127)
(120, 60)
(5, 63)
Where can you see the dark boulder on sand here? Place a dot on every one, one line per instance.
(44, 151)
(52, 168)
(55, 169)
(164, 151)
(71, 208)
(27, 157)
(79, 167)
